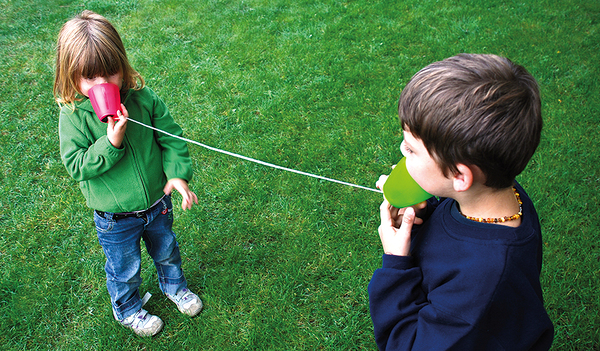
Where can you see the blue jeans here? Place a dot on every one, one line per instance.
(120, 240)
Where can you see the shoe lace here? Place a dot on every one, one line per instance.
(138, 319)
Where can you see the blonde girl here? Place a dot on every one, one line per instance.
(126, 173)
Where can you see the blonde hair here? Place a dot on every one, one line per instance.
(89, 46)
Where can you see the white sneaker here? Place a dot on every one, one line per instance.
(142, 323)
(187, 302)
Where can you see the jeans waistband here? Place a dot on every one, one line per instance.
(137, 214)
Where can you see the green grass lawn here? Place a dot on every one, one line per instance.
(282, 261)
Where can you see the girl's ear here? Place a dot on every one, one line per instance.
(463, 179)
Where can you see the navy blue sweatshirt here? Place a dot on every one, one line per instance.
(466, 286)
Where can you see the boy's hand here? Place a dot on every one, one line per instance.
(189, 198)
(396, 224)
(419, 208)
(395, 228)
(116, 131)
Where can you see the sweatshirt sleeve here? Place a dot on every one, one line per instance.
(395, 298)
(405, 318)
(175, 154)
(84, 157)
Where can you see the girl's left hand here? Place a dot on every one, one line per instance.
(189, 198)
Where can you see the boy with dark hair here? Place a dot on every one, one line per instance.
(462, 272)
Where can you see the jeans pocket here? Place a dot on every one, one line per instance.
(167, 208)
(103, 225)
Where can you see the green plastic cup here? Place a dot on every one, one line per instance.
(401, 190)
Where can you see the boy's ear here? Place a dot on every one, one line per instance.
(463, 179)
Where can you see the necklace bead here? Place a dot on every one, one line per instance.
(500, 219)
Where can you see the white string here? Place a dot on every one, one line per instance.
(255, 160)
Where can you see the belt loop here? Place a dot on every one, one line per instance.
(106, 215)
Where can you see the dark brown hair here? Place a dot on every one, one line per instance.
(481, 110)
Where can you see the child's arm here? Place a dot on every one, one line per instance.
(85, 150)
(176, 160)
(395, 300)
(189, 197)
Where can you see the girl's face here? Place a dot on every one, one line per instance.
(85, 84)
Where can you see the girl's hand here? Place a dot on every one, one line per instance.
(116, 131)
(189, 198)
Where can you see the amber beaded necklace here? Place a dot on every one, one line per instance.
(501, 219)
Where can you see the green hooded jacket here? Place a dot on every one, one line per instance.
(131, 178)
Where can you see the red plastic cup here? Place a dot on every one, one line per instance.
(106, 100)
(401, 190)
